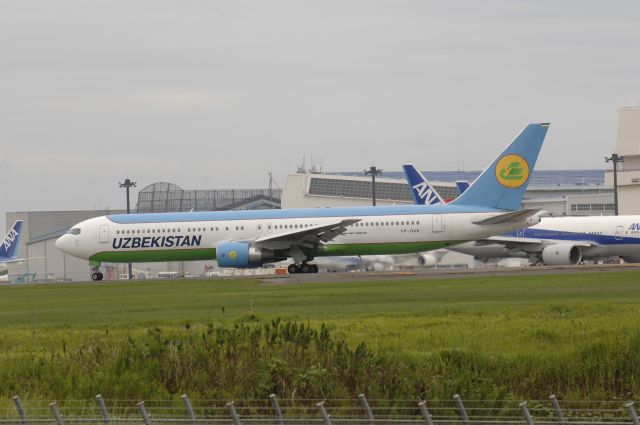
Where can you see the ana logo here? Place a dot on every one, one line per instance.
(512, 171)
(9, 239)
(634, 226)
(425, 193)
(233, 255)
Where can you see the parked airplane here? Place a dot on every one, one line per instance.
(564, 241)
(9, 249)
(251, 238)
(555, 240)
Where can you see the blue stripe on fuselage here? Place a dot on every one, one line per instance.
(295, 213)
(572, 236)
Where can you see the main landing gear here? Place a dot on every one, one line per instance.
(302, 268)
(96, 274)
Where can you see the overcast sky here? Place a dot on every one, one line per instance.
(213, 94)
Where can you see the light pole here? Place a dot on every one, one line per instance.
(127, 185)
(373, 171)
(615, 159)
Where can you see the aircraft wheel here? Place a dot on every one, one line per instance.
(314, 268)
(293, 269)
(100, 276)
(305, 268)
(96, 276)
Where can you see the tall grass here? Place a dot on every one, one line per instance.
(577, 336)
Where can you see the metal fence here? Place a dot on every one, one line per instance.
(358, 411)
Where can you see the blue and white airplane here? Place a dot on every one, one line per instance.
(9, 249)
(555, 240)
(252, 238)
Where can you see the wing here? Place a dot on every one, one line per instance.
(307, 237)
(527, 243)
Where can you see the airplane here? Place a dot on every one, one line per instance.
(462, 185)
(251, 238)
(9, 249)
(555, 240)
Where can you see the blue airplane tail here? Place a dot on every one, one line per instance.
(503, 183)
(9, 247)
(462, 186)
(421, 190)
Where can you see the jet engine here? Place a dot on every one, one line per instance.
(427, 260)
(242, 255)
(561, 254)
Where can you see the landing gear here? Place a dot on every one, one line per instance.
(302, 268)
(96, 274)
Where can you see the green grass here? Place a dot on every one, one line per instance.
(502, 336)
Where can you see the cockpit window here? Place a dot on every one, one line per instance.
(74, 231)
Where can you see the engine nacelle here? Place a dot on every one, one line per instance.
(561, 254)
(241, 255)
(427, 260)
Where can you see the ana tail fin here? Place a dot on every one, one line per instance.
(503, 183)
(9, 246)
(423, 193)
(462, 186)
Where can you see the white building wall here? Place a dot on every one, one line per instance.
(628, 146)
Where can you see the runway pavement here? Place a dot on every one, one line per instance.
(449, 273)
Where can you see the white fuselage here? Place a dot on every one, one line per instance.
(194, 236)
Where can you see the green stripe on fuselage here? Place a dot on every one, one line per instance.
(149, 256)
(387, 248)
(198, 254)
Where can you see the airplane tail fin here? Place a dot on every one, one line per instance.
(423, 193)
(9, 246)
(462, 186)
(503, 183)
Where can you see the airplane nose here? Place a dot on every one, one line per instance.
(60, 243)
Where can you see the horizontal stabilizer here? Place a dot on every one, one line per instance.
(508, 217)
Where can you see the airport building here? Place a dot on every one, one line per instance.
(559, 193)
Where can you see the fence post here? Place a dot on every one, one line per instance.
(103, 409)
(234, 414)
(556, 407)
(367, 409)
(323, 413)
(187, 405)
(464, 418)
(632, 413)
(21, 412)
(56, 414)
(276, 409)
(425, 413)
(143, 412)
(525, 413)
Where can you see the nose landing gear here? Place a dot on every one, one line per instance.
(302, 268)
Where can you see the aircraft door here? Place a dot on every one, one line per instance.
(619, 232)
(103, 235)
(436, 223)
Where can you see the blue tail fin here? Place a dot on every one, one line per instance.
(462, 186)
(9, 247)
(423, 193)
(503, 183)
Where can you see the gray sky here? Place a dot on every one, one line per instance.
(213, 94)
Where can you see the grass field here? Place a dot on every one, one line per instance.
(577, 335)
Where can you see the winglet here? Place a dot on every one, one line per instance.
(9, 247)
(423, 193)
(503, 183)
